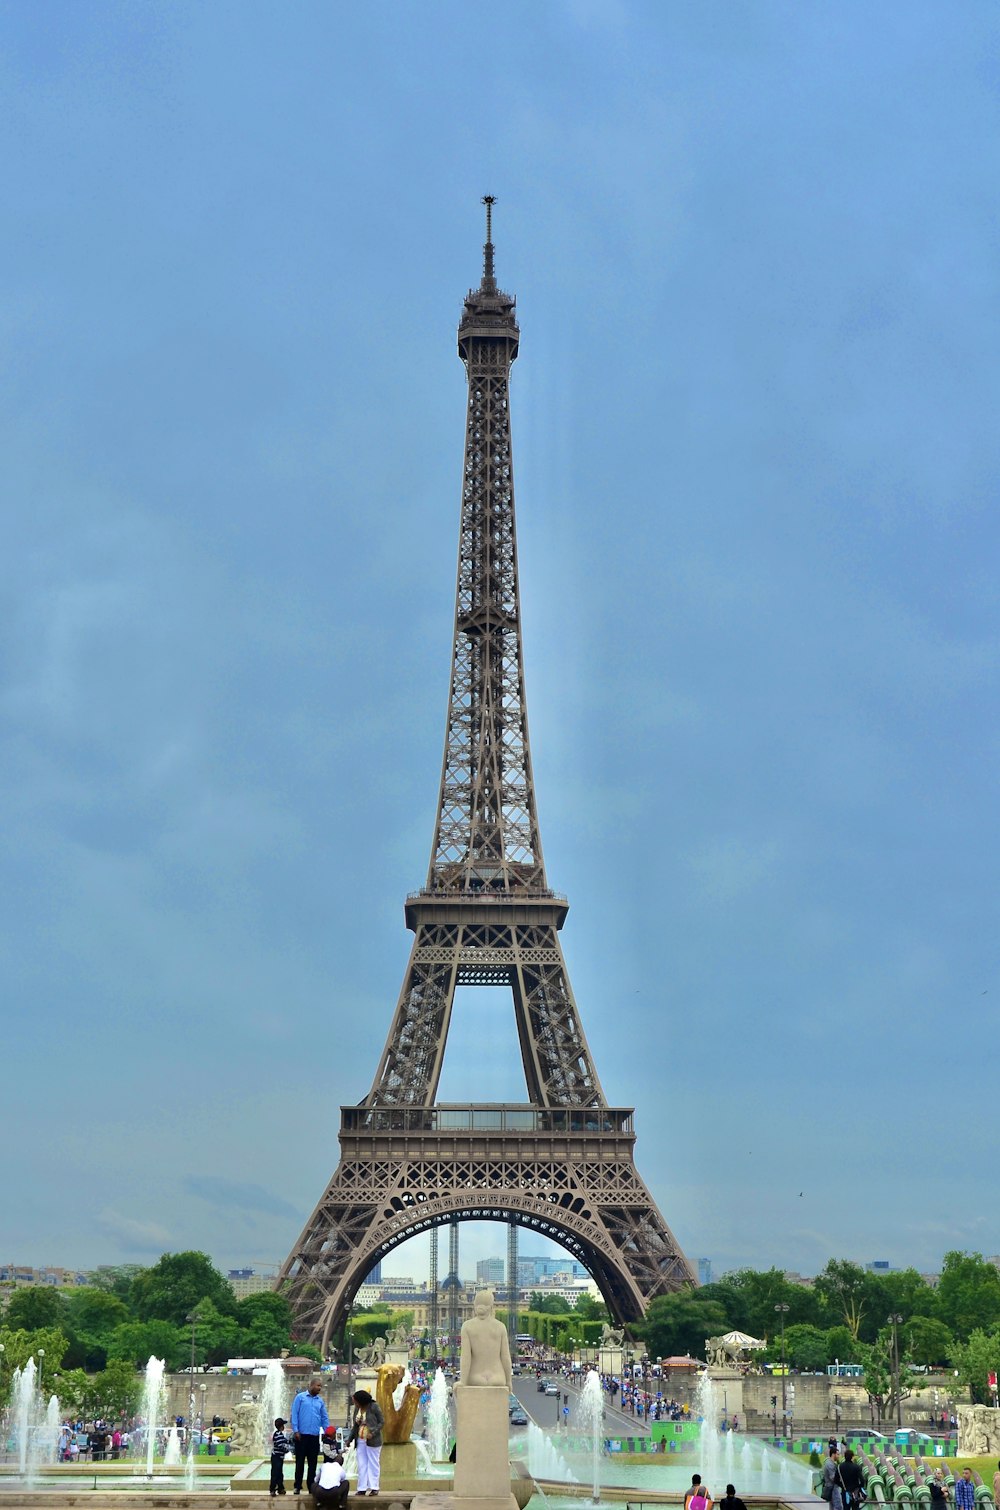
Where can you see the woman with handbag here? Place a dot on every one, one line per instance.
(366, 1433)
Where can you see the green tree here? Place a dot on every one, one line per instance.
(71, 1386)
(883, 1386)
(216, 1335)
(265, 1322)
(927, 1341)
(842, 1346)
(116, 1279)
(587, 1308)
(114, 1392)
(806, 1347)
(91, 1317)
(847, 1292)
(974, 1359)
(34, 1307)
(904, 1292)
(175, 1286)
(755, 1293)
(136, 1342)
(968, 1294)
(20, 1345)
(546, 1305)
(679, 1323)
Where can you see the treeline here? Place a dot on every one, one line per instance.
(180, 1309)
(845, 1314)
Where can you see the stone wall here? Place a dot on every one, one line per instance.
(223, 1392)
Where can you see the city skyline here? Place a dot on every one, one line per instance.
(755, 454)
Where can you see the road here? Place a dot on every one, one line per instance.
(546, 1410)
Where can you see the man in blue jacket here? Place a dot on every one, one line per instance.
(309, 1420)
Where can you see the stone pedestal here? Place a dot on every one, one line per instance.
(611, 1360)
(482, 1467)
(399, 1460)
(482, 1463)
(398, 1356)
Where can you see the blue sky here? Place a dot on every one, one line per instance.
(755, 254)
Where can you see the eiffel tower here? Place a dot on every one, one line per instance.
(562, 1163)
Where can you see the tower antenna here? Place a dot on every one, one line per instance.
(489, 280)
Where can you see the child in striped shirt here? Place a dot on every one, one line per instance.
(279, 1446)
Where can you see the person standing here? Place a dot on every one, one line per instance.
(851, 1481)
(309, 1419)
(731, 1500)
(366, 1433)
(833, 1489)
(996, 1486)
(697, 1497)
(280, 1445)
(965, 1491)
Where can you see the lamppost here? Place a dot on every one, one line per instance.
(782, 1309)
(41, 1365)
(203, 1388)
(896, 1320)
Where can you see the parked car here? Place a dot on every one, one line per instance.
(866, 1435)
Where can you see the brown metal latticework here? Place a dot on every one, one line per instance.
(562, 1164)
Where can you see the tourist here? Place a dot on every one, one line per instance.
(331, 1486)
(851, 1482)
(939, 1490)
(697, 1497)
(965, 1491)
(731, 1501)
(309, 1419)
(366, 1433)
(280, 1445)
(832, 1490)
(996, 1486)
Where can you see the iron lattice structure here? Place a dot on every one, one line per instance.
(562, 1164)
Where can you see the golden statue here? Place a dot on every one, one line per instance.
(398, 1423)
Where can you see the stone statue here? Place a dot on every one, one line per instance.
(978, 1431)
(612, 1336)
(399, 1336)
(374, 1356)
(246, 1428)
(398, 1422)
(485, 1349)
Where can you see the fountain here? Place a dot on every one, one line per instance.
(590, 1415)
(172, 1451)
(152, 1405)
(36, 1433)
(439, 1419)
(544, 1460)
(272, 1404)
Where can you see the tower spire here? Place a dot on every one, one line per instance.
(489, 279)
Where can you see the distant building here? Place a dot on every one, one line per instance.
(704, 1271)
(20, 1276)
(880, 1266)
(375, 1277)
(532, 1272)
(244, 1282)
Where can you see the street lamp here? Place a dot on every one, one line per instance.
(41, 1365)
(782, 1308)
(896, 1320)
